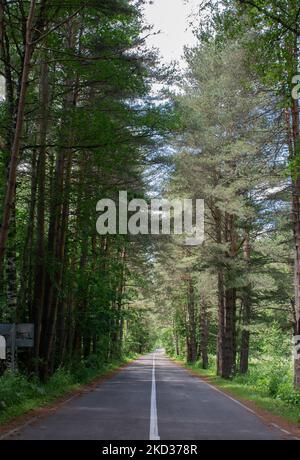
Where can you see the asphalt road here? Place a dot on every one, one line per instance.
(152, 398)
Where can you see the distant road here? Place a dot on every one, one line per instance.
(152, 398)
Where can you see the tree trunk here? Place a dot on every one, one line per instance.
(228, 361)
(59, 222)
(204, 332)
(221, 306)
(11, 271)
(39, 288)
(246, 312)
(293, 136)
(176, 343)
(15, 150)
(25, 292)
(296, 229)
(227, 305)
(191, 322)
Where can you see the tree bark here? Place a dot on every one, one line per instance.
(25, 292)
(11, 185)
(39, 287)
(58, 225)
(204, 332)
(296, 228)
(227, 305)
(191, 320)
(293, 140)
(246, 311)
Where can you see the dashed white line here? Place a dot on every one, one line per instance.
(153, 436)
(16, 430)
(247, 408)
(281, 429)
(229, 397)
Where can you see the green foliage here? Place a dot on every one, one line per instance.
(60, 380)
(167, 340)
(14, 388)
(19, 393)
(142, 335)
(284, 404)
(89, 103)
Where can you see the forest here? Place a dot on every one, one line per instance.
(87, 110)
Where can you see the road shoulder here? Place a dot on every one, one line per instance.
(22, 421)
(269, 418)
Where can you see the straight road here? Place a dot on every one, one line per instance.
(152, 398)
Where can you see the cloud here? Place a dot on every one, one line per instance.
(171, 18)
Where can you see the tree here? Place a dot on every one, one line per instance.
(226, 157)
(80, 85)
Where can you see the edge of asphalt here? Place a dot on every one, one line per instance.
(22, 421)
(276, 421)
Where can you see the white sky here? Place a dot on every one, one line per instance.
(171, 18)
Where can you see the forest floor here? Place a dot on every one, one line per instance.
(271, 410)
(35, 400)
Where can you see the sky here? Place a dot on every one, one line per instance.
(171, 18)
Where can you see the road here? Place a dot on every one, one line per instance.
(152, 398)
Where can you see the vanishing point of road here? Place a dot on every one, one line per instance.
(152, 398)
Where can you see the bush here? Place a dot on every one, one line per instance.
(59, 381)
(286, 392)
(18, 393)
(14, 388)
(272, 379)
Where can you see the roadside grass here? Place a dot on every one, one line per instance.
(244, 388)
(20, 395)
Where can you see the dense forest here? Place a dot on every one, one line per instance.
(237, 146)
(77, 125)
(80, 121)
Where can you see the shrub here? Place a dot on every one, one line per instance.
(60, 380)
(14, 388)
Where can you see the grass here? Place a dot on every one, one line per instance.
(248, 389)
(20, 395)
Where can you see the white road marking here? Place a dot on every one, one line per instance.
(248, 409)
(281, 429)
(16, 430)
(229, 397)
(285, 431)
(245, 407)
(153, 436)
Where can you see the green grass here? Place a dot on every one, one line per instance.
(19, 395)
(250, 389)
